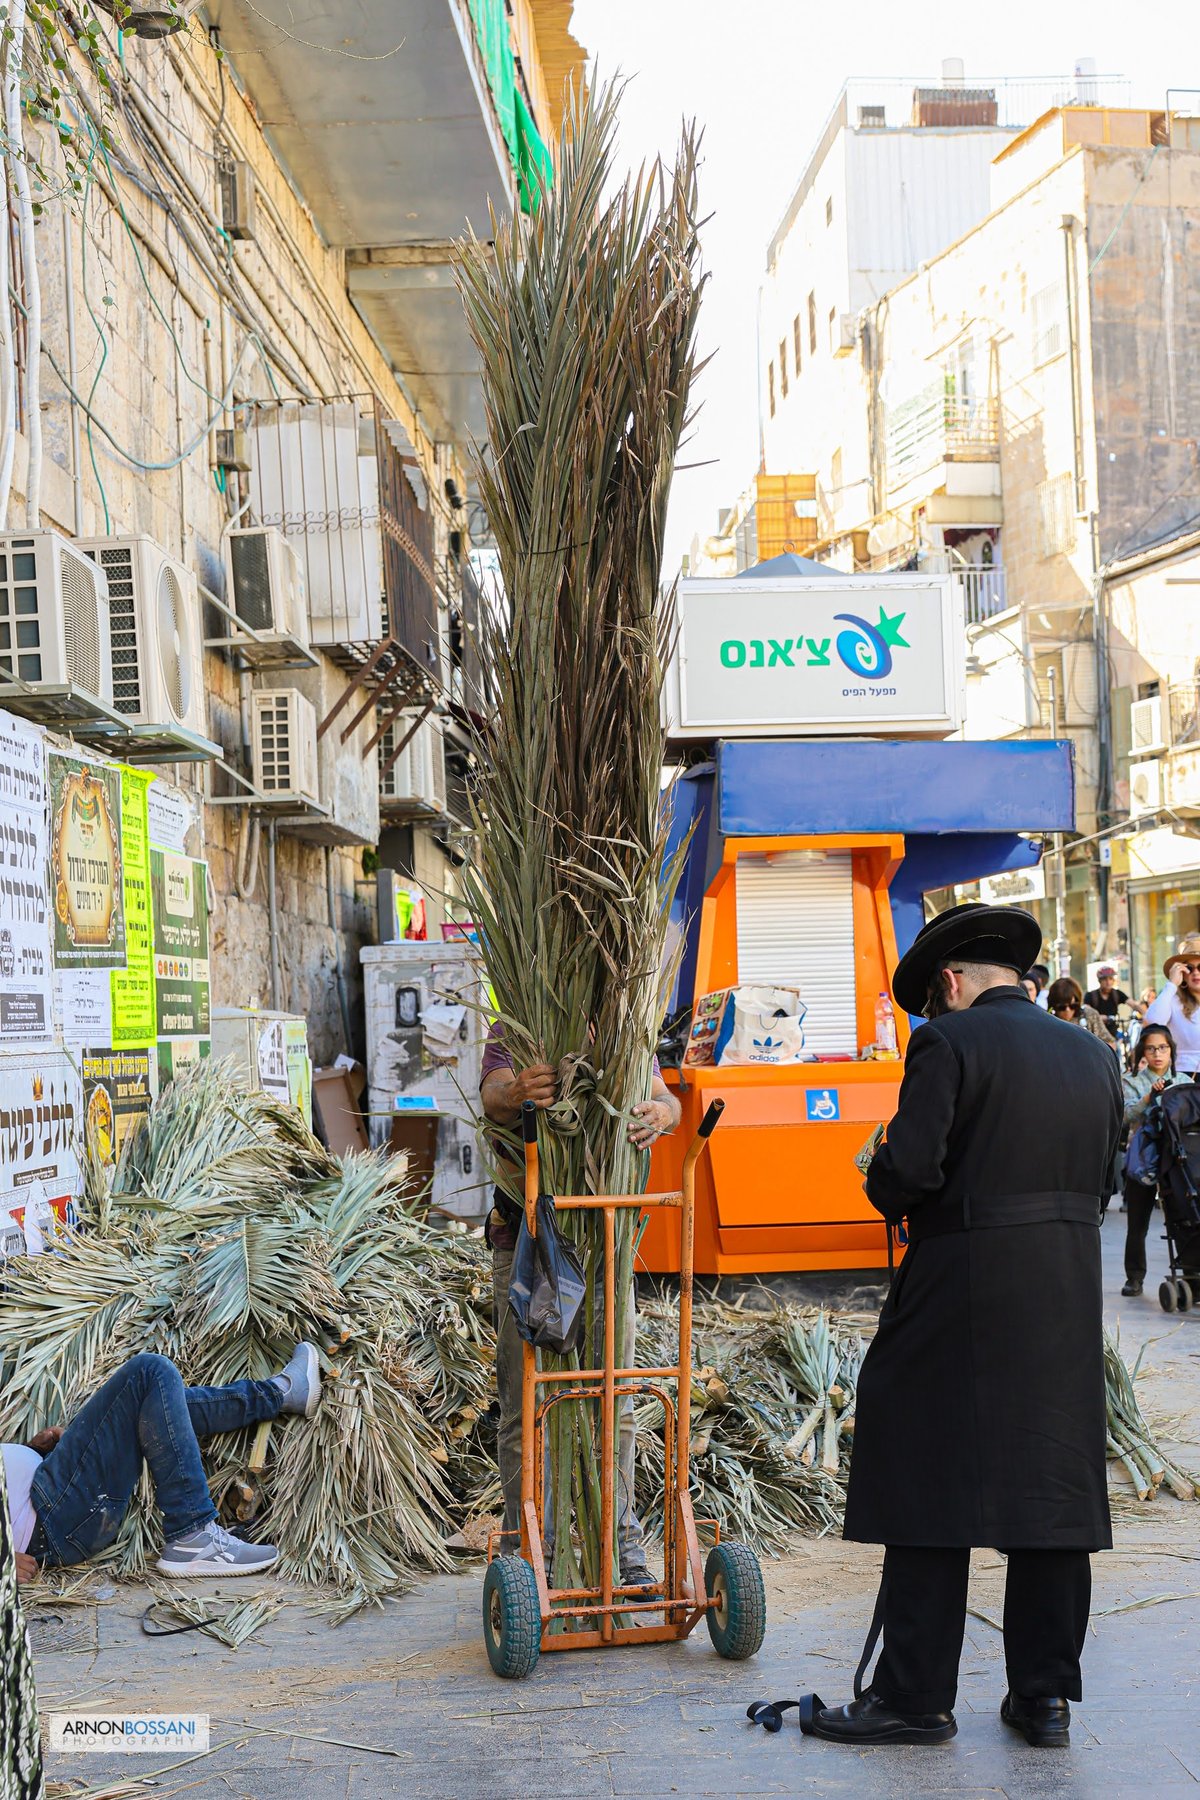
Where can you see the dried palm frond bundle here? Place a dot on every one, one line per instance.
(226, 1234)
(772, 1417)
(1131, 1443)
(583, 313)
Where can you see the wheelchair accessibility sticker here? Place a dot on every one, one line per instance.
(823, 1104)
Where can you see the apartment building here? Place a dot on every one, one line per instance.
(256, 401)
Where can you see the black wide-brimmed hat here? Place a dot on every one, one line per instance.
(985, 934)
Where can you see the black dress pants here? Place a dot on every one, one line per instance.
(1139, 1210)
(1047, 1598)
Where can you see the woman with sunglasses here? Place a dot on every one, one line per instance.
(1064, 1000)
(1153, 1072)
(1178, 1005)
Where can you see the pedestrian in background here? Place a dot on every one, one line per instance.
(1064, 998)
(1178, 1004)
(1153, 1072)
(1041, 975)
(1106, 997)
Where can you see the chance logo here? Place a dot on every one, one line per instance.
(866, 650)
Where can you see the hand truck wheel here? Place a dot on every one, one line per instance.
(737, 1623)
(512, 1617)
(1168, 1297)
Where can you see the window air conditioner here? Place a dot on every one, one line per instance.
(416, 780)
(53, 615)
(1146, 719)
(284, 727)
(238, 189)
(268, 583)
(1145, 787)
(154, 632)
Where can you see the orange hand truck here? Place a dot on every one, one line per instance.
(518, 1602)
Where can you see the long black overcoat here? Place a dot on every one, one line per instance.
(981, 1414)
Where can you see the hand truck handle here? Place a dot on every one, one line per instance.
(709, 1122)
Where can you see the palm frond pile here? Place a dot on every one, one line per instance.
(1131, 1443)
(583, 313)
(227, 1234)
(772, 1417)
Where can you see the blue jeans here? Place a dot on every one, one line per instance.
(142, 1414)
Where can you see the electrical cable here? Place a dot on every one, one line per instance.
(14, 31)
(19, 169)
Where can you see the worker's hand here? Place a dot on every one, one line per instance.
(536, 1083)
(27, 1569)
(44, 1441)
(654, 1119)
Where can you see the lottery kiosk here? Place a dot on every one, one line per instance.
(810, 844)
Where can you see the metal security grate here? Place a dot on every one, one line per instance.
(117, 564)
(20, 627)
(795, 928)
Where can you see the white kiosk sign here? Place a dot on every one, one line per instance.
(828, 656)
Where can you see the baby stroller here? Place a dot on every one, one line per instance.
(1179, 1191)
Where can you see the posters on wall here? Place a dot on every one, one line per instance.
(26, 1009)
(41, 1105)
(117, 1089)
(85, 864)
(284, 1069)
(179, 911)
(132, 988)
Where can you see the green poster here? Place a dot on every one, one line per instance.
(179, 912)
(133, 1019)
(85, 864)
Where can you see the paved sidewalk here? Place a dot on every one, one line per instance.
(414, 1680)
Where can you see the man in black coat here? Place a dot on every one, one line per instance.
(981, 1404)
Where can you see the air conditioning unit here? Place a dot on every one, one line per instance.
(416, 780)
(154, 633)
(284, 731)
(1145, 787)
(53, 615)
(268, 582)
(238, 202)
(1147, 734)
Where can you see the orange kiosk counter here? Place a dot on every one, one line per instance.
(821, 910)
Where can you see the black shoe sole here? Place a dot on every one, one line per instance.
(906, 1734)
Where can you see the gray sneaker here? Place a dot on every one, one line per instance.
(211, 1550)
(301, 1381)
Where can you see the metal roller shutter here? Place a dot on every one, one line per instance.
(795, 928)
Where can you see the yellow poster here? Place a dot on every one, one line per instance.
(133, 1022)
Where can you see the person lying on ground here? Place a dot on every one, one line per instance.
(70, 1487)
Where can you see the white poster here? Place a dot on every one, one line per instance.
(25, 988)
(41, 1118)
(83, 1006)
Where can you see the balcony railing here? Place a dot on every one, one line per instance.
(985, 590)
(1185, 714)
(925, 431)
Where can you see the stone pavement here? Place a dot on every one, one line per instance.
(414, 1681)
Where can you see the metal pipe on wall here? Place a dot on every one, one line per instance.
(68, 238)
(331, 908)
(272, 917)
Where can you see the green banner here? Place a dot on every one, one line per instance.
(133, 1017)
(179, 905)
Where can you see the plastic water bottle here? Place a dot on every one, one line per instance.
(885, 1025)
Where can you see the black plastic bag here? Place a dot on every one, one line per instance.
(547, 1288)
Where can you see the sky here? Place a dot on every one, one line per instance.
(761, 76)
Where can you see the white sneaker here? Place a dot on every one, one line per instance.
(210, 1550)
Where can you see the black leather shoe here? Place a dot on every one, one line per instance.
(1132, 1288)
(1046, 1724)
(869, 1721)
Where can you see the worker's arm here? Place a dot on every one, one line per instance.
(505, 1091)
(908, 1167)
(656, 1116)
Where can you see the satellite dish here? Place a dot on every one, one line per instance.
(151, 18)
